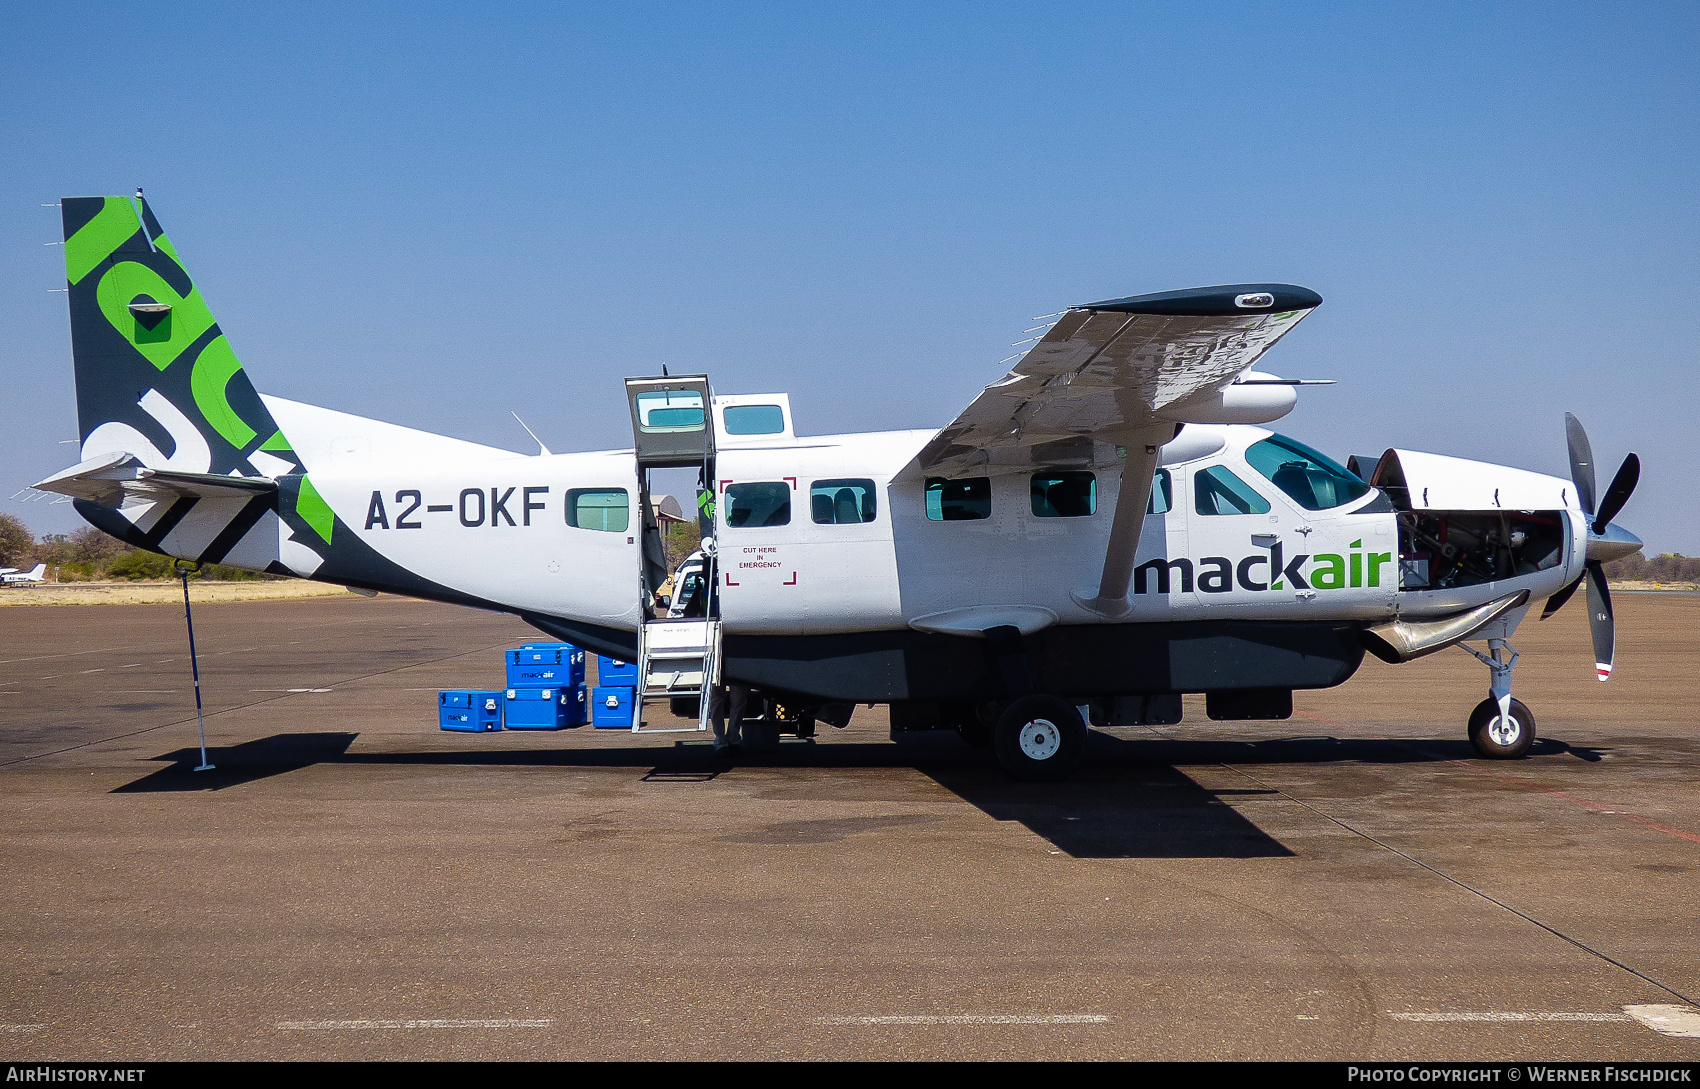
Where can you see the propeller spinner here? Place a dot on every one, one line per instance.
(1605, 541)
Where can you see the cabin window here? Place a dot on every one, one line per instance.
(754, 419)
(1064, 494)
(842, 502)
(1310, 479)
(1162, 493)
(959, 500)
(606, 509)
(754, 506)
(664, 411)
(1218, 491)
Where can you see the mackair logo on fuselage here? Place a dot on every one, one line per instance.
(1274, 570)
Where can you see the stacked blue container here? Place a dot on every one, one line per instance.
(614, 700)
(546, 687)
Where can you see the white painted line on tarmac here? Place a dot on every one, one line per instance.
(1506, 1015)
(972, 1019)
(1681, 1021)
(420, 1023)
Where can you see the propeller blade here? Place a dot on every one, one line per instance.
(1581, 463)
(1600, 623)
(1622, 487)
(1556, 601)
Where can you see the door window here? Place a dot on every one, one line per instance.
(670, 410)
(754, 420)
(756, 505)
(842, 502)
(1218, 491)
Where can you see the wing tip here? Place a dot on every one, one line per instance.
(1227, 299)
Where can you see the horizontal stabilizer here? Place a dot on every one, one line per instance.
(119, 480)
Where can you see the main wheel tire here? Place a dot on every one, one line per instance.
(1497, 739)
(1039, 738)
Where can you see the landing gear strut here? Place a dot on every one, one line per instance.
(1501, 728)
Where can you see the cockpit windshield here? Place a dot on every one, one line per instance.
(1310, 479)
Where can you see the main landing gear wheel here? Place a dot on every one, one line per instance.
(1039, 738)
(1497, 739)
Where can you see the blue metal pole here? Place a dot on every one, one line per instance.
(195, 669)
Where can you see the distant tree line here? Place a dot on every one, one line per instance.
(88, 555)
(1670, 567)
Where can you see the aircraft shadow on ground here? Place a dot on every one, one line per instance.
(1129, 800)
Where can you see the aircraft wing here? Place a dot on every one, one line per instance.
(120, 480)
(1108, 373)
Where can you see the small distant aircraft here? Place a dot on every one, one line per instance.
(11, 576)
(1100, 531)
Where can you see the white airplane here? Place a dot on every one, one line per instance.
(1103, 529)
(11, 576)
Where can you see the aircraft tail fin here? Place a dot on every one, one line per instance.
(38, 572)
(156, 377)
(165, 410)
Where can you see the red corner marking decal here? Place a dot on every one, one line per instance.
(793, 581)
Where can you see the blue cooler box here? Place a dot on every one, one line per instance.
(546, 708)
(612, 673)
(471, 712)
(611, 706)
(545, 665)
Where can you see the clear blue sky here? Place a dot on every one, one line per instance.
(435, 213)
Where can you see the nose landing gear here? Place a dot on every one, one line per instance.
(1501, 728)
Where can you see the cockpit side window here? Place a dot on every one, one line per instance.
(1312, 480)
(1218, 491)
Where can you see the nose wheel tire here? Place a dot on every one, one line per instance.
(1039, 738)
(1497, 739)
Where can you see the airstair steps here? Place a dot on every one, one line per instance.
(677, 659)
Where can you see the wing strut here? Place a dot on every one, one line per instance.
(1132, 498)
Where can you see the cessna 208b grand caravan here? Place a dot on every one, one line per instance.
(1101, 530)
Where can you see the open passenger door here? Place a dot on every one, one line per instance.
(672, 428)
